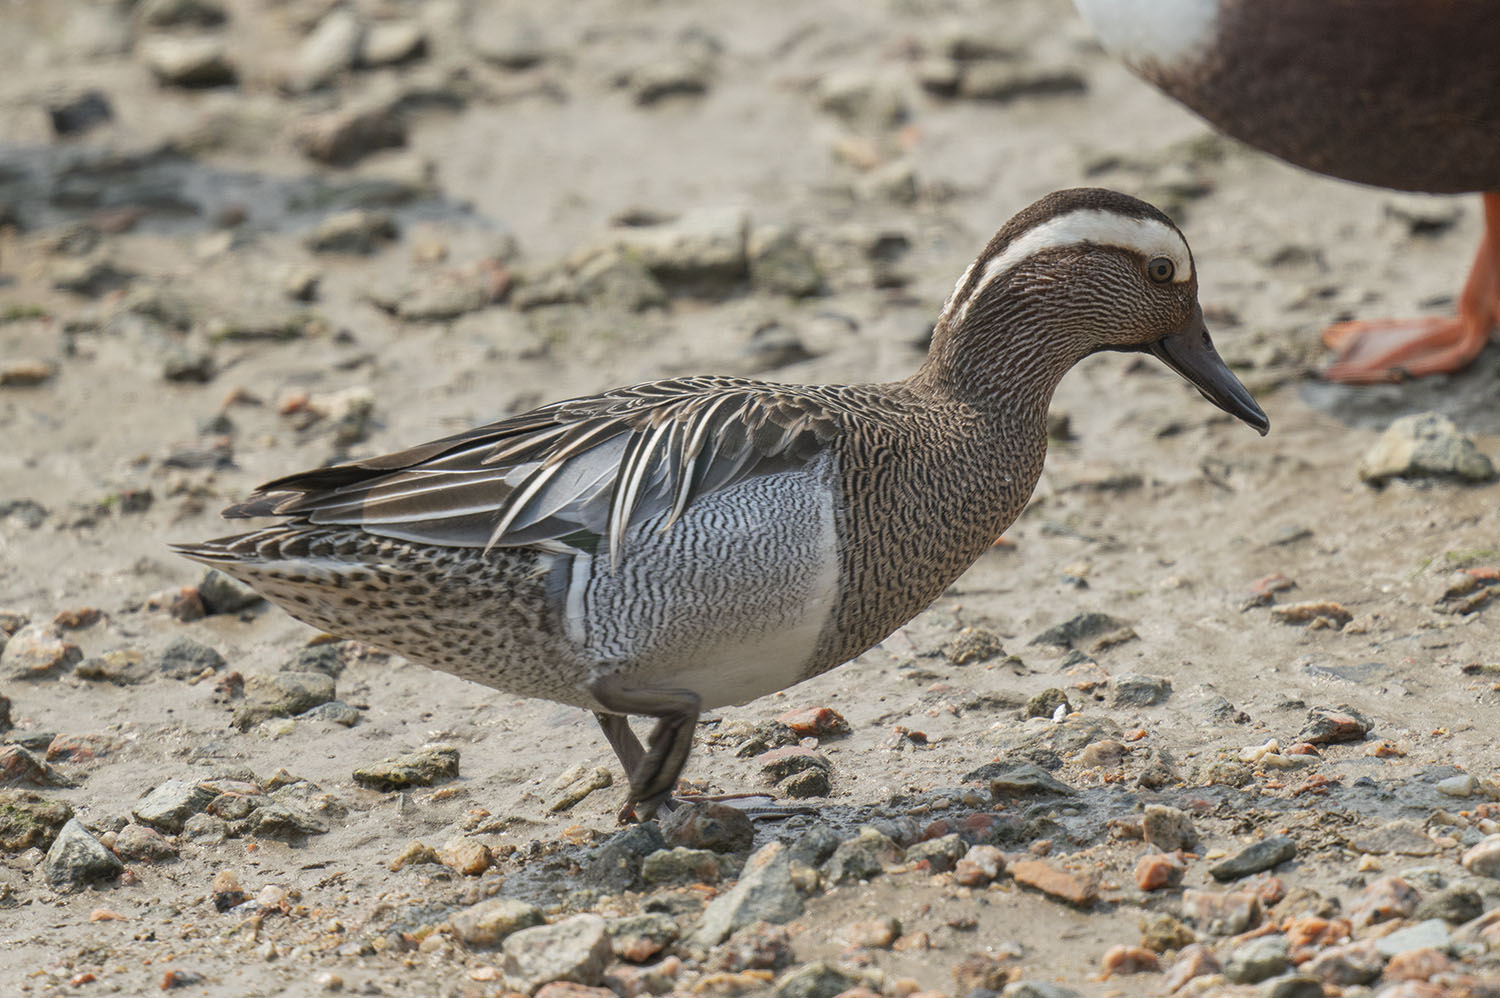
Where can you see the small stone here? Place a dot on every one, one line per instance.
(467, 856)
(432, 764)
(222, 594)
(1026, 780)
(984, 973)
(487, 924)
(639, 938)
(1079, 628)
(354, 231)
(1168, 828)
(507, 41)
(1455, 905)
(1417, 964)
(873, 933)
(185, 658)
(20, 765)
(30, 820)
(869, 102)
(701, 253)
(1037, 989)
(579, 785)
(1426, 445)
(181, 603)
(940, 854)
(979, 865)
(806, 784)
(1385, 899)
(77, 858)
(329, 49)
(79, 112)
(188, 62)
(680, 866)
(1462, 785)
(226, 890)
(170, 804)
(814, 846)
(293, 693)
(26, 373)
(82, 748)
(575, 949)
(181, 13)
(1311, 612)
(1047, 703)
(275, 820)
(390, 43)
(815, 722)
(617, 865)
(1128, 960)
(1156, 871)
(781, 264)
(38, 651)
(1254, 858)
(1326, 726)
(1135, 690)
(414, 854)
(1258, 959)
(973, 645)
(618, 279)
(1003, 82)
(673, 77)
(175, 978)
(87, 278)
(334, 712)
(814, 980)
(862, 857)
(1403, 837)
(1291, 986)
(205, 829)
(330, 658)
(1226, 914)
(708, 825)
(764, 892)
(1195, 960)
(1342, 966)
(782, 762)
(1076, 888)
(137, 843)
(1430, 935)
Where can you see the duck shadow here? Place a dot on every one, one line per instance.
(1471, 397)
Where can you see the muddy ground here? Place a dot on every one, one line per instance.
(155, 364)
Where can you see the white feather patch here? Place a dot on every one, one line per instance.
(1146, 236)
(1143, 32)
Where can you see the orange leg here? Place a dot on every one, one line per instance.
(1392, 349)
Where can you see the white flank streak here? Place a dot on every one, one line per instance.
(1142, 32)
(1146, 236)
(574, 611)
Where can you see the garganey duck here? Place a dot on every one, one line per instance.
(683, 544)
(1394, 93)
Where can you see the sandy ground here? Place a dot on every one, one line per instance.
(1158, 511)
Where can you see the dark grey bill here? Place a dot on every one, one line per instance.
(1191, 354)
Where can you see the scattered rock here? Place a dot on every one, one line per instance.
(329, 49)
(1047, 704)
(76, 858)
(980, 865)
(781, 264)
(700, 253)
(765, 892)
(709, 825)
(291, 693)
(1025, 780)
(1221, 914)
(38, 651)
(680, 76)
(1326, 726)
(185, 658)
(638, 938)
(1455, 905)
(617, 865)
(815, 722)
(1346, 965)
(1079, 628)
(1003, 82)
(972, 645)
(423, 768)
(1254, 858)
(356, 231)
(1157, 871)
(1403, 837)
(815, 980)
(19, 765)
(780, 763)
(1168, 828)
(487, 924)
(1319, 613)
(30, 820)
(188, 62)
(1136, 690)
(139, 844)
(171, 803)
(181, 13)
(79, 112)
(680, 866)
(1426, 445)
(1385, 899)
(390, 43)
(862, 857)
(1258, 959)
(222, 594)
(1432, 934)
(575, 949)
(1079, 888)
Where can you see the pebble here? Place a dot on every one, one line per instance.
(709, 825)
(356, 231)
(1254, 858)
(1258, 959)
(782, 762)
(764, 892)
(782, 264)
(1462, 785)
(1003, 82)
(1156, 871)
(864, 100)
(30, 820)
(617, 865)
(815, 980)
(1326, 726)
(1291, 986)
(77, 858)
(1455, 905)
(575, 949)
(170, 803)
(205, 829)
(487, 924)
(414, 854)
(1037, 989)
(292, 693)
(973, 645)
(814, 846)
(1385, 899)
(334, 712)
(137, 843)
(1403, 837)
(677, 76)
(185, 658)
(815, 722)
(26, 373)
(181, 13)
(1417, 965)
(1026, 780)
(1351, 963)
(1425, 445)
(1079, 628)
(808, 783)
(638, 938)
(467, 856)
(222, 594)
(1194, 960)
(226, 890)
(703, 252)
(1429, 935)
(390, 43)
(1047, 703)
(1076, 888)
(38, 651)
(275, 820)
(1167, 828)
(1221, 914)
(577, 783)
(429, 765)
(181, 61)
(1119, 959)
(21, 765)
(862, 857)
(979, 865)
(77, 113)
(680, 865)
(1136, 690)
(328, 50)
(940, 854)
(1332, 614)
(82, 748)
(873, 933)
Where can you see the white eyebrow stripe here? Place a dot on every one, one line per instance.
(1146, 236)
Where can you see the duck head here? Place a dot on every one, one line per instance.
(1080, 271)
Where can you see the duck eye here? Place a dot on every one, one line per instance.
(1161, 269)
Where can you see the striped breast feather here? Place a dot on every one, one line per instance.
(578, 473)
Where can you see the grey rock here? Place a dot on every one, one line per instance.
(362, 232)
(510, 42)
(616, 866)
(1426, 445)
(1254, 858)
(680, 865)
(276, 820)
(1079, 628)
(90, 278)
(181, 13)
(189, 364)
(140, 844)
(419, 769)
(774, 346)
(328, 657)
(1026, 780)
(862, 857)
(488, 923)
(709, 825)
(328, 50)
(1351, 963)
(1430, 934)
(171, 803)
(1168, 828)
(781, 264)
(19, 764)
(1046, 703)
(1003, 82)
(865, 100)
(1258, 959)
(1455, 905)
(222, 594)
(334, 712)
(77, 858)
(344, 137)
(77, 113)
(293, 693)
(38, 651)
(764, 893)
(618, 279)
(814, 846)
(941, 854)
(205, 829)
(815, 980)
(677, 76)
(388, 43)
(1462, 785)
(973, 645)
(1037, 989)
(703, 252)
(185, 658)
(636, 936)
(1137, 690)
(1291, 986)
(575, 949)
(188, 62)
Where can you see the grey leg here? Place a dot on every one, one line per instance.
(626, 745)
(676, 713)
